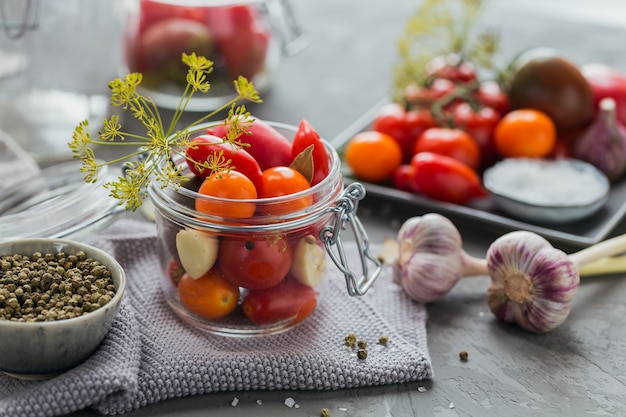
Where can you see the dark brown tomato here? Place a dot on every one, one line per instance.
(555, 86)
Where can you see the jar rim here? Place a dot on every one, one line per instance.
(328, 190)
(54, 202)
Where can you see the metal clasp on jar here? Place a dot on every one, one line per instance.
(345, 216)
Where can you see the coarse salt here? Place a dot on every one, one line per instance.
(545, 182)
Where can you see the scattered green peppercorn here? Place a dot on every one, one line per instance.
(52, 286)
(362, 344)
(383, 340)
(350, 340)
(361, 354)
(325, 412)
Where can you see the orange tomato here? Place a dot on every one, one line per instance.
(211, 296)
(525, 133)
(373, 156)
(230, 185)
(282, 181)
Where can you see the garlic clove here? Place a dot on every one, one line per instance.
(197, 251)
(309, 262)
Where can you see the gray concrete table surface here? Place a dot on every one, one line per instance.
(578, 369)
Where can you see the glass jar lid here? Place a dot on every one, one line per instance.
(55, 202)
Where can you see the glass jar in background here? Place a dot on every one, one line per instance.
(56, 59)
(245, 37)
(267, 269)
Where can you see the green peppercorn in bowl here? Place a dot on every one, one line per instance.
(58, 300)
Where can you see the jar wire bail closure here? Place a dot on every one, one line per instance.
(345, 216)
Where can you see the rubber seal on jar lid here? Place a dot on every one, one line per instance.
(55, 202)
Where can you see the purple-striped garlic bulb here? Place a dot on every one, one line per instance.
(533, 284)
(431, 259)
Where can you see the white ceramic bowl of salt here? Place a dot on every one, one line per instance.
(553, 191)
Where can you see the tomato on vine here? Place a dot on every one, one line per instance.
(402, 125)
(455, 143)
(480, 122)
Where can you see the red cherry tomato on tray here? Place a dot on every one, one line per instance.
(480, 124)
(404, 126)
(454, 143)
(287, 300)
(446, 179)
(452, 67)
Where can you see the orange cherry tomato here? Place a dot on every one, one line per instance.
(230, 185)
(283, 181)
(525, 133)
(373, 156)
(454, 143)
(211, 296)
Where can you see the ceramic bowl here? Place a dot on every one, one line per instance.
(39, 350)
(551, 191)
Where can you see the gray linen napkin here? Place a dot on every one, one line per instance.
(150, 355)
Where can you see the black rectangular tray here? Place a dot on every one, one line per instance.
(581, 233)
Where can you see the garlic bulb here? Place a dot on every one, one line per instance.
(603, 144)
(532, 283)
(431, 259)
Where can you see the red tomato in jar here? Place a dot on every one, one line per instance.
(446, 179)
(480, 124)
(307, 136)
(404, 126)
(288, 300)
(205, 148)
(267, 145)
(451, 142)
(255, 263)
